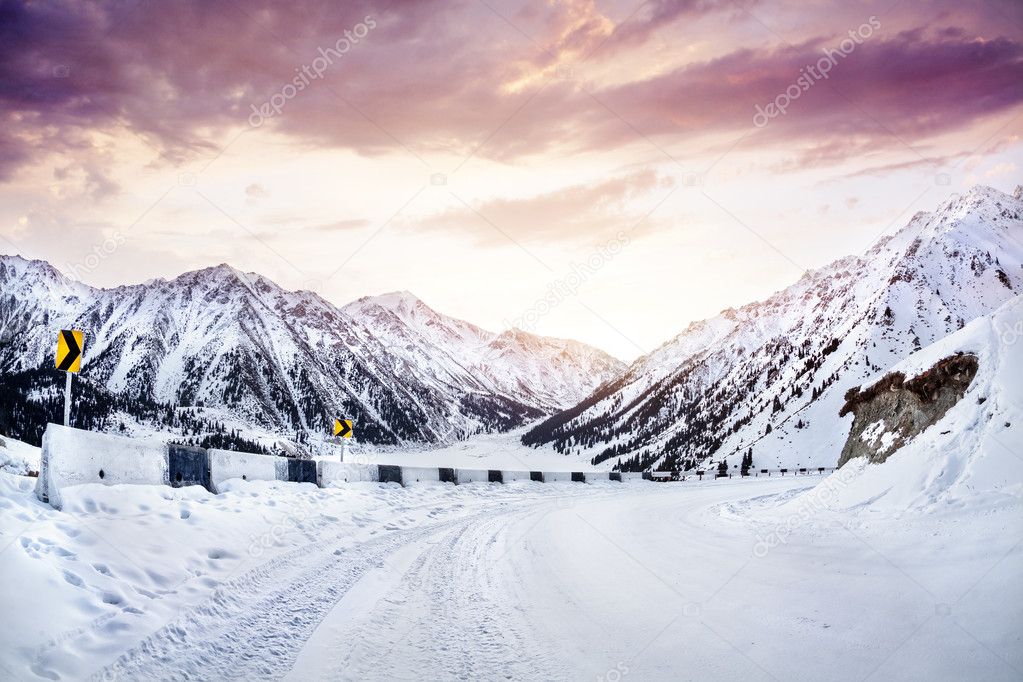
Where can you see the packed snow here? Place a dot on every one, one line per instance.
(727, 579)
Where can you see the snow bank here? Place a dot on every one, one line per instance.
(331, 473)
(227, 464)
(18, 458)
(73, 457)
(971, 454)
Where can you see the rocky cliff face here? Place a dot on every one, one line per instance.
(893, 411)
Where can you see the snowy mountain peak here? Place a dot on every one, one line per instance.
(395, 300)
(287, 362)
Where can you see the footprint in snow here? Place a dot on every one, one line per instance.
(112, 598)
(68, 530)
(73, 579)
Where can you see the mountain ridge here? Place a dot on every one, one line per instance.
(725, 384)
(289, 361)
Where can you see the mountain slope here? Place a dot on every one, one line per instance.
(771, 375)
(290, 361)
(972, 453)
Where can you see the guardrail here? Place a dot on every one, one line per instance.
(74, 457)
(697, 474)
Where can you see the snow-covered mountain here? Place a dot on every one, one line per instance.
(549, 374)
(770, 377)
(291, 361)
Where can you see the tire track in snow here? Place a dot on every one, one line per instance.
(253, 625)
(448, 618)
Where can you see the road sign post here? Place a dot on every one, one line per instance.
(69, 360)
(343, 432)
(67, 400)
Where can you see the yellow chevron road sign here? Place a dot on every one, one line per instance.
(343, 428)
(69, 350)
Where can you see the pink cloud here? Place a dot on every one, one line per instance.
(437, 76)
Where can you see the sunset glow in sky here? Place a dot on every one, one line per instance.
(604, 171)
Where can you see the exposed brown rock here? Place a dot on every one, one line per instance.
(890, 413)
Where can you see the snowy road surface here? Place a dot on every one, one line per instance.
(717, 580)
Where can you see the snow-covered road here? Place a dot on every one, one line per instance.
(714, 580)
(667, 582)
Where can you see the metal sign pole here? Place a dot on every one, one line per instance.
(67, 400)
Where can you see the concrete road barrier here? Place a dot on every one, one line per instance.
(388, 473)
(188, 465)
(75, 457)
(472, 476)
(411, 475)
(329, 473)
(228, 464)
(302, 471)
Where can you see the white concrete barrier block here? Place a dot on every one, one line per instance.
(510, 476)
(557, 476)
(228, 464)
(330, 473)
(592, 476)
(411, 475)
(75, 457)
(472, 476)
(632, 476)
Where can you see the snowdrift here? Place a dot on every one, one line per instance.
(18, 458)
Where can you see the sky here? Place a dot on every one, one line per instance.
(602, 171)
